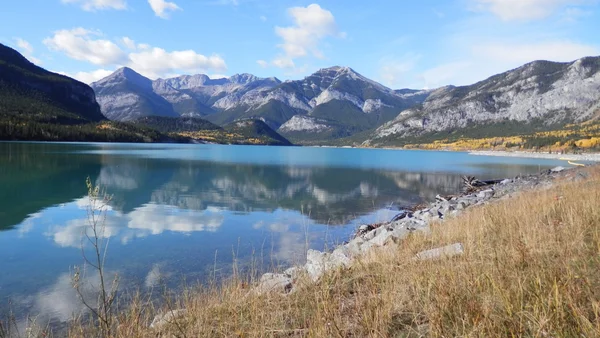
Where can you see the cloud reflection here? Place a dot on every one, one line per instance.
(149, 219)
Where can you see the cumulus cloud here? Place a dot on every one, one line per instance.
(522, 10)
(312, 24)
(128, 43)
(27, 50)
(79, 44)
(89, 77)
(162, 7)
(156, 61)
(93, 5)
(153, 62)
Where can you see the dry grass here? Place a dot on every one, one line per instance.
(531, 268)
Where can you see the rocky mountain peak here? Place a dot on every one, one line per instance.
(124, 74)
(243, 78)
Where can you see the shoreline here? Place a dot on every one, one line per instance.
(591, 157)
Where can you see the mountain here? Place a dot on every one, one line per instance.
(257, 130)
(199, 130)
(538, 96)
(31, 92)
(333, 102)
(175, 124)
(338, 99)
(126, 95)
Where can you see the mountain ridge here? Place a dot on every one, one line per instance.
(246, 96)
(540, 95)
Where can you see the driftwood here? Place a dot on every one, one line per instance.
(472, 184)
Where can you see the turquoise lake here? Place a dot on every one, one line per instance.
(186, 213)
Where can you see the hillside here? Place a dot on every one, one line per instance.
(194, 129)
(537, 100)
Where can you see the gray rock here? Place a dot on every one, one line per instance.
(381, 238)
(294, 272)
(446, 251)
(366, 246)
(274, 282)
(167, 318)
(506, 181)
(317, 263)
(363, 228)
(371, 234)
(388, 236)
(486, 194)
(354, 247)
(558, 169)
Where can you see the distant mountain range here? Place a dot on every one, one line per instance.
(332, 103)
(340, 104)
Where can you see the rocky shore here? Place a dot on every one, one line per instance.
(591, 157)
(369, 237)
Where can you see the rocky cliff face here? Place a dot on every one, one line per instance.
(540, 92)
(18, 75)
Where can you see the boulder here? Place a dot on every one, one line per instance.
(317, 263)
(486, 194)
(354, 247)
(167, 318)
(294, 272)
(558, 169)
(387, 237)
(274, 282)
(445, 251)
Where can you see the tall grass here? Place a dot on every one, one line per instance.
(531, 267)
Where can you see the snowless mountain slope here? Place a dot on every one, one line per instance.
(540, 92)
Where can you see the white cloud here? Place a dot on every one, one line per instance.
(162, 7)
(24, 46)
(78, 44)
(27, 50)
(262, 63)
(89, 77)
(85, 45)
(92, 5)
(217, 76)
(156, 61)
(523, 10)
(283, 62)
(311, 25)
(128, 43)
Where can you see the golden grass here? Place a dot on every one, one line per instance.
(531, 268)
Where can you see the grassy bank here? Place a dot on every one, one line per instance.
(530, 268)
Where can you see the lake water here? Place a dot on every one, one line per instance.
(188, 212)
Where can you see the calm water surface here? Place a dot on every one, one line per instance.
(187, 212)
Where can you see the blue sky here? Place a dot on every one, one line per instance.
(417, 44)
